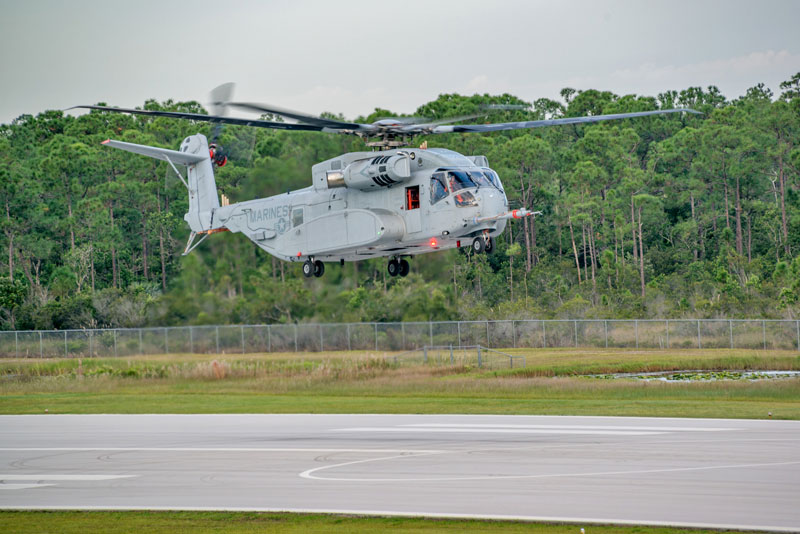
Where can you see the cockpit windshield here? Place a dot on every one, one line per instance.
(458, 180)
(450, 181)
(480, 179)
(492, 176)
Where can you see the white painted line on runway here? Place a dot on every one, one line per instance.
(208, 449)
(433, 515)
(62, 478)
(22, 486)
(575, 427)
(460, 429)
(310, 472)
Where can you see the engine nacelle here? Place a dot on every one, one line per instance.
(373, 173)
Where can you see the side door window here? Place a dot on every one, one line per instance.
(438, 187)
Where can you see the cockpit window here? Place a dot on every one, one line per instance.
(465, 199)
(438, 187)
(492, 176)
(480, 179)
(459, 180)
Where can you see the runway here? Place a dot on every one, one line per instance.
(682, 472)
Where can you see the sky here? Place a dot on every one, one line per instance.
(352, 56)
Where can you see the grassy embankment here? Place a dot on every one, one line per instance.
(364, 382)
(242, 523)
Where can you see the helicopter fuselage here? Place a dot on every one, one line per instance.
(363, 205)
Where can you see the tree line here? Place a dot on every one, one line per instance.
(667, 216)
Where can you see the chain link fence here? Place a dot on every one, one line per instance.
(658, 334)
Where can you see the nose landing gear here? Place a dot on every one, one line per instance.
(398, 267)
(482, 243)
(313, 267)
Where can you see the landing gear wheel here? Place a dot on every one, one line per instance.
(308, 268)
(478, 245)
(319, 268)
(393, 267)
(489, 246)
(404, 268)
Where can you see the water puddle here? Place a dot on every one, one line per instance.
(701, 376)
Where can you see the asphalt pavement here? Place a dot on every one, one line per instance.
(683, 472)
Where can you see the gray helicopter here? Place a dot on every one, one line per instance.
(393, 201)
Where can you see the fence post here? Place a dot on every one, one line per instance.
(376, 335)
(403, 334)
(16, 343)
(216, 334)
(141, 345)
(480, 364)
(66, 354)
(191, 339)
(513, 334)
(764, 332)
(295, 337)
(349, 343)
(91, 338)
(451, 354)
(459, 333)
(575, 324)
(699, 343)
(667, 333)
(730, 330)
(605, 325)
(166, 341)
(544, 336)
(487, 334)
(636, 329)
(430, 331)
(321, 342)
(115, 342)
(269, 338)
(242, 332)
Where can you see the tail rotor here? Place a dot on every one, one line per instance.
(218, 105)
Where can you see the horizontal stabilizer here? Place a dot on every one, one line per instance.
(163, 154)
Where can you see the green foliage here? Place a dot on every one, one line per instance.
(667, 216)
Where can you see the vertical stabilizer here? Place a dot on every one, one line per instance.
(203, 199)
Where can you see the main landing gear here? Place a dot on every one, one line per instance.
(482, 243)
(398, 267)
(313, 267)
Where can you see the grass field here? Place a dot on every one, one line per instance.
(362, 382)
(243, 523)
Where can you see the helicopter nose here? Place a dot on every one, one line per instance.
(492, 201)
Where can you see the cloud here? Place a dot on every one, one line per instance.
(732, 75)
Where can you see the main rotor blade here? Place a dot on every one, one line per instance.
(428, 125)
(553, 122)
(302, 117)
(210, 118)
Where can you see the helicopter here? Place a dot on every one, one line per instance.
(392, 201)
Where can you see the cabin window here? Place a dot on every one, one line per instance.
(438, 187)
(297, 217)
(412, 197)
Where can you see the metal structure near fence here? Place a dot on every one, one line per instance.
(763, 334)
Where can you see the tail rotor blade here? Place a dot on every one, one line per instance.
(219, 98)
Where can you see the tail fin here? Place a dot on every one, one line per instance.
(194, 153)
(203, 199)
